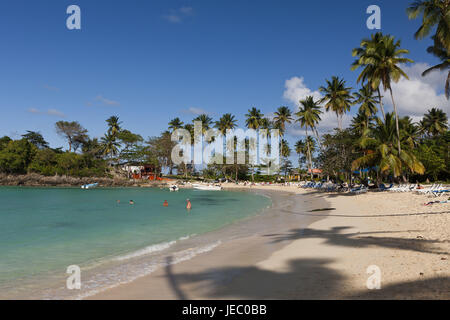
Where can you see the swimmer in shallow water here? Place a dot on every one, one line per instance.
(131, 202)
(165, 204)
(188, 205)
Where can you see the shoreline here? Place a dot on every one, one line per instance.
(325, 258)
(242, 243)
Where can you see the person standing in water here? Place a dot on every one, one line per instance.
(189, 205)
(165, 204)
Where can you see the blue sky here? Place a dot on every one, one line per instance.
(151, 61)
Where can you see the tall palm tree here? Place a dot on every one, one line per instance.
(282, 116)
(110, 146)
(226, 122)
(435, 122)
(435, 13)
(380, 57)
(175, 124)
(338, 97)
(439, 52)
(308, 116)
(368, 101)
(113, 125)
(254, 117)
(380, 151)
(206, 121)
(368, 74)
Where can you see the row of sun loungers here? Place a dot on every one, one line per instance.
(436, 189)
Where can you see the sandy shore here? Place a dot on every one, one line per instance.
(308, 254)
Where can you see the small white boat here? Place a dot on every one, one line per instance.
(174, 188)
(206, 187)
(89, 186)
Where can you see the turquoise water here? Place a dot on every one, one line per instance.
(47, 229)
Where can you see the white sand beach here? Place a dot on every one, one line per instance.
(323, 256)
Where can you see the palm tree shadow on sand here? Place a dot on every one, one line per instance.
(311, 278)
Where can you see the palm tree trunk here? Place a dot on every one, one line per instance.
(318, 138)
(309, 155)
(396, 123)
(381, 105)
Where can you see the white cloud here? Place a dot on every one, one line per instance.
(296, 90)
(178, 15)
(105, 101)
(195, 111)
(416, 96)
(49, 112)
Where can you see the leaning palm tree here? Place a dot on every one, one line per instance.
(337, 98)
(282, 116)
(175, 124)
(444, 56)
(380, 57)
(435, 122)
(254, 117)
(368, 101)
(380, 151)
(435, 16)
(308, 116)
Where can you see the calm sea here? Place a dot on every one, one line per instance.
(45, 230)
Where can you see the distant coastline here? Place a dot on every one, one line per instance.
(37, 180)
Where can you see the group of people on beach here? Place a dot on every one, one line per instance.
(166, 204)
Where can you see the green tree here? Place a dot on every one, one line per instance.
(380, 151)
(381, 57)
(309, 116)
(36, 138)
(435, 16)
(435, 122)
(175, 124)
(337, 98)
(253, 118)
(16, 156)
(283, 116)
(70, 131)
(367, 100)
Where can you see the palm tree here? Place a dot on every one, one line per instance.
(435, 13)
(206, 121)
(113, 126)
(368, 73)
(282, 116)
(368, 102)
(435, 122)
(308, 116)
(110, 146)
(226, 122)
(254, 117)
(381, 57)
(444, 55)
(361, 122)
(175, 124)
(409, 132)
(337, 97)
(380, 150)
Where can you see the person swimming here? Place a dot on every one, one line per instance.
(131, 202)
(165, 204)
(188, 205)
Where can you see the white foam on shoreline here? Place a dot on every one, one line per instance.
(101, 283)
